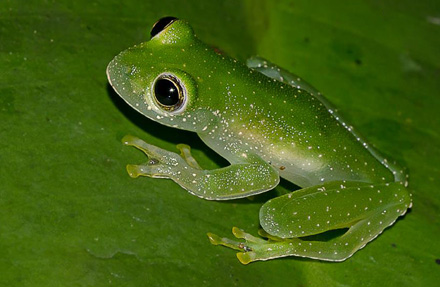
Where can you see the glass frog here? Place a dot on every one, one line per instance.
(268, 124)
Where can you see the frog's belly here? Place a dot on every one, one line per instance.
(306, 166)
(302, 176)
(302, 171)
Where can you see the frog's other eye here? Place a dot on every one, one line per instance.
(169, 93)
(161, 24)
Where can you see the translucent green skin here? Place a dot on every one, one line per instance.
(267, 127)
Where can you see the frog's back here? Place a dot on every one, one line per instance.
(295, 132)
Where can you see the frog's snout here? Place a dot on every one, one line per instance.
(118, 76)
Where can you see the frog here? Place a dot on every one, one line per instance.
(268, 124)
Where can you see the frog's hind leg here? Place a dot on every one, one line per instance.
(365, 210)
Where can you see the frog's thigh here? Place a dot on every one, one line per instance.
(365, 210)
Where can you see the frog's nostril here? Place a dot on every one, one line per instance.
(161, 24)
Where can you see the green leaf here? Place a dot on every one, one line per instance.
(71, 216)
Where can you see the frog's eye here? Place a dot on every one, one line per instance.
(161, 24)
(169, 93)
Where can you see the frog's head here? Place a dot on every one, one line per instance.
(159, 78)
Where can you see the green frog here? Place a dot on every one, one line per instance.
(267, 123)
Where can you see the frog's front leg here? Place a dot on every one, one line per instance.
(239, 180)
(364, 210)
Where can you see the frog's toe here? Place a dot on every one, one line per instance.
(133, 170)
(185, 153)
(150, 150)
(246, 257)
(246, 254)
(240, 233)
(217, 240)
(137, 143)
(156, 171)
(130, 140)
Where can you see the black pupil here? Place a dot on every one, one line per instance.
(166, 92)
